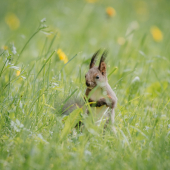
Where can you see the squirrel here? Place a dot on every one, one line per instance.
(99, 91)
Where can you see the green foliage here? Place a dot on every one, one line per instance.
(70, 122)
(36, 82)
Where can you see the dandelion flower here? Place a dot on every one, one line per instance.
(5, 47)
(12, 21)
(62, 56)
(120, 40)
(18, 72)
(110, 11)
(91, 1)
(156, 34)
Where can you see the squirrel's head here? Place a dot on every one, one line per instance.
(96, 76)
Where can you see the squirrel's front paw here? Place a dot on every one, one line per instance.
(101, 102)
(110, 103)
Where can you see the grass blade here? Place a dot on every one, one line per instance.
(45, 64)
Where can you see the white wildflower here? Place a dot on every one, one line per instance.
(136, 79)
(17, 126)
(43, 20)
(14, 51)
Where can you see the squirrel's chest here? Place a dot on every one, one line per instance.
(98, 94)
(99, 112)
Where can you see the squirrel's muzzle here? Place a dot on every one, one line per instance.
(88, 84)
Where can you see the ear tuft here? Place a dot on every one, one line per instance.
(93, 60)
(102, 65)
(104, 55)
(103, 68)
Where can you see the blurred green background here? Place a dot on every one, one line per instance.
(45, 50)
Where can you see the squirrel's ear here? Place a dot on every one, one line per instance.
(93, 59)
(102, 65)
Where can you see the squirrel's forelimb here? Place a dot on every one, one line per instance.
(98, 103)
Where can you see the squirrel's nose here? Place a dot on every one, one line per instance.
(88, 84)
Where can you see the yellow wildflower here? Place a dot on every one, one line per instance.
(141, 7)
(62, 55)
(18, 72)
(110, 11)
(51, 165)
(5, 47)
(120, 40)
(91, 1)
(156, 34)
(52, 32)
(12, 21)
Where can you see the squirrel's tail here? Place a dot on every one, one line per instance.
(72, 104)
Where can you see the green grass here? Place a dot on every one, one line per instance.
(32, 131)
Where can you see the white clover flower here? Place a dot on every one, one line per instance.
(17, 126)
(136, 79)
(147, 128)
(43, 20)
(87, 153)
(14, 51)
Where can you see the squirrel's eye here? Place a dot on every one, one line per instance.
(97, 77)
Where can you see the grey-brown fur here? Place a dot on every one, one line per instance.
(98, 89)
(72, 104)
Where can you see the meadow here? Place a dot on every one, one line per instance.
(45, 50)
